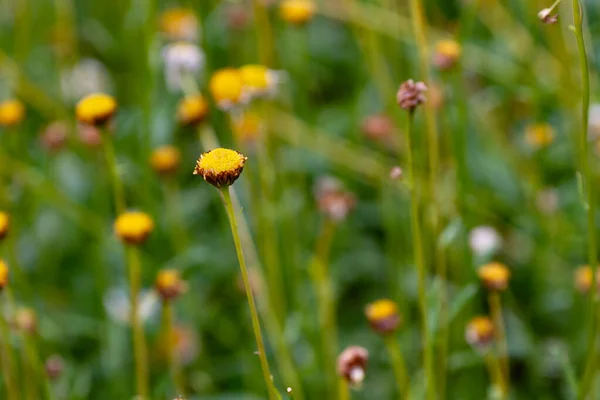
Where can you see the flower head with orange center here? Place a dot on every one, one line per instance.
(479, 332)
(179, 24)
(258, 80)
(539, 135)
(220, 167)
(583, 279)
(4, 224)
(192, 110)
(169, 284)
(133, 227)
(12, 112)
(3, 274)
(96, 109)
(297, 12)
(351, 364)
(494, 276)
(227, 88)
(447, 54)
(383, 316)
(165, 160)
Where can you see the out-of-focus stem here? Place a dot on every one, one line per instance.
(8, 363)
(173, 362)
(111, 164)
(496, 312)
(343, 391)
(264, 36)
(178, 231)
(399, 366)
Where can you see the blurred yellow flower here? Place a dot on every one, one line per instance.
(539, 135)
(3, 274)
(583, 278)
(297, 11)
(26, 320)
(226, 87)
(133, 227)
(248, 127)
(96, 109)
(494, 276)
(169, 284)
(192, 110)
(165, 160)
(479, 332)
(179, 24)
(4, 224)
(447, 53)
(383, 316)
(11, 112)
(220, 167)
(258, 80)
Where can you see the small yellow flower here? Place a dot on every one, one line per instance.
(248, 127)
(494, 276)
(297, 11)
(133, 227)
(539, 135)
(479, 332)
(11, 112)
(169, 284)
(96, 109)
(583, 278)
(26, 320)
(220, 167)
(226, 87)
(192, 110)
(165, 160)
(258, 80)
(3, 274)
(447, 53)
(383, 316)
(179, 24)
(4, 224)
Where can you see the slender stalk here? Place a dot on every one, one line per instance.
(226, 197)
(495, 371)
(343, 391)
(8, 363)
(325, 298)
(586, 172)
(496, 312)
(29, 343)
(419, 260)
(111, 164)
(173, 362)
(399, 366)
(264, 36)
(139, 342)
(29, 379)
(178, 231)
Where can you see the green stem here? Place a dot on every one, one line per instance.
(173, 362)
(139, 342)
(495, 371)
(111, 164)
(496, 312)
(264, 36)
(29, 379)
(586, 172)
(8, 363)
(226, 197)
(399, 366)
(29, 342)
(343, 391)
(178, 231)
(419, 260)
(325, 297)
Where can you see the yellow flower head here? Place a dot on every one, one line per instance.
(169, 284)
(165, 159)
(220, 167)
(248, 127)
(11, 112)
(26, 320)
(447, 53)
(96, 109)
(479, 332)
(4, 224)
(383, 316)
(494, 276)
(133, 227)
(3, 274)
(297, 11)
(179, 24)
(583, 279)
(192, 110)
(226, 87)
(258, 80)
(539, 135)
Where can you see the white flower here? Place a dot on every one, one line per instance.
(484, 240)
(116, 303)
(182, 60)
(85, 77)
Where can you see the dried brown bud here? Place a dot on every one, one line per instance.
(351, 364)
(55, 136)
(378, 127)
(333, 200)
(547, 17)
(54, 366)
(411, 94)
